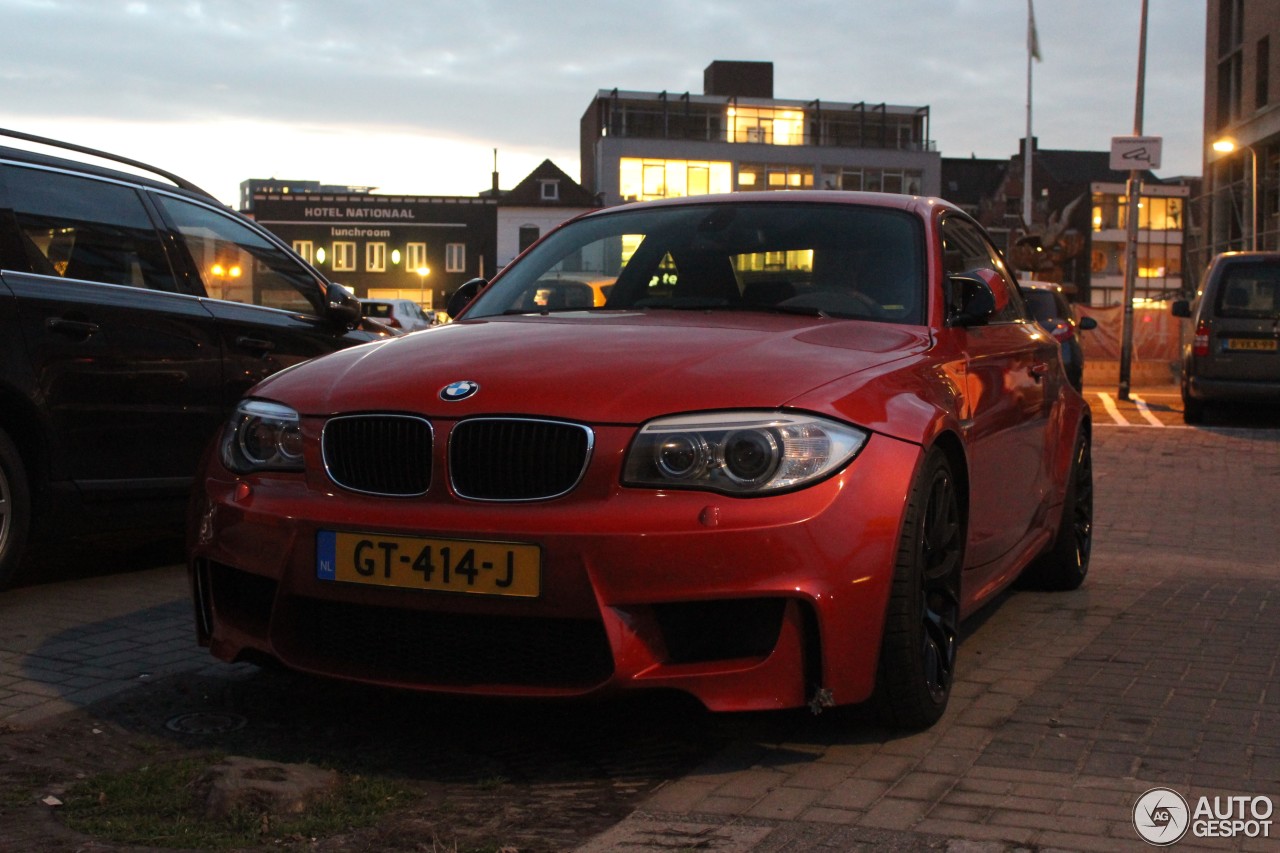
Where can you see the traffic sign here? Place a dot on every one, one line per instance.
(1135, 153)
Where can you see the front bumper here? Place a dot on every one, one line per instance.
(744, 603)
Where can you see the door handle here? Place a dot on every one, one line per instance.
(80, 330)
(255, 344)
(1039, 370)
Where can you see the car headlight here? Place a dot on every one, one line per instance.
(739, 452)
(262, 436)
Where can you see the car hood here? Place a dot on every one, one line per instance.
(618, 367)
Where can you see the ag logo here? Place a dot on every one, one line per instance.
(461, 390)
(1161, 817)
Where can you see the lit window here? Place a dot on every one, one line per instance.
(306, 250)
(344, 257)
(375, 257)
(646, 179)
(415, 255)
(766, 125)
(455, 257)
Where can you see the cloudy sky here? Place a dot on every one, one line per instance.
(413, 96)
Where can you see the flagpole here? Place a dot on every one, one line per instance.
(1032, 49)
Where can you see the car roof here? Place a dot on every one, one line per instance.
(171, 182)
(894, 201)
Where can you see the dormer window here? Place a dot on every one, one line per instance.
(550, 190)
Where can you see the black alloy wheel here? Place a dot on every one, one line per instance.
(922, 625)
(15, 511)
(1064, 566)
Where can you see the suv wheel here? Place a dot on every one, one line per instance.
(15, 510)
(1192, 410)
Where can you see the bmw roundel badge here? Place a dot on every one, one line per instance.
(460, 390)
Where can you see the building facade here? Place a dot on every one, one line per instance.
(638, 146)
(383, 246)
(1241, 204)
(543, 200)
(1077, 236)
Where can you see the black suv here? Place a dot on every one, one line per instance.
(134, 313)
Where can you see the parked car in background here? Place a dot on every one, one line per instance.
(1234, 354)
(134, 313)
(402, 314)
(806, 434)
(1048, 304)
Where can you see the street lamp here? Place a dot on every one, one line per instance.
(1226, 145)
(423, 272)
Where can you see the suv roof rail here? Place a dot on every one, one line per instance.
(93, 152)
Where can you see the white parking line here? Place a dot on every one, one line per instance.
(1110, 405)
(1145, 411)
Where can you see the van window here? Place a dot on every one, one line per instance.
(1249, 291)
(83, 228)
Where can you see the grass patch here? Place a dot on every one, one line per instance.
(159, 805)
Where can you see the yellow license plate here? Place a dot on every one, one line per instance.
(1254, 344)
(444, 565)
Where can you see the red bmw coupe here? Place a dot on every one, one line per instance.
(803, 438)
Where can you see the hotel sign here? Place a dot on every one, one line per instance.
(358, 213)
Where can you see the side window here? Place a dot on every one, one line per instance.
(238, 264)
(82, 228)
(965, 248)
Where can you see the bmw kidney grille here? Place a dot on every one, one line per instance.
(490, 459)
(517, 459)
(379, 454)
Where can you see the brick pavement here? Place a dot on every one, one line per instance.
(1161, 670)
(66, 645)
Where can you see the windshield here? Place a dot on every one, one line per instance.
(835, 260)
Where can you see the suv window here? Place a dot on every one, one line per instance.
(87, 229)
(237, 264)
(1249, 291)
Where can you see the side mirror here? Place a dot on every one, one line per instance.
(462, 297)
(1181, 308)
(342, 306)
(1084, 324)
(971, 300)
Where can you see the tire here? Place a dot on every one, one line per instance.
(1064, 566)
(921, 630)
(15, 511)
(1192, 410)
